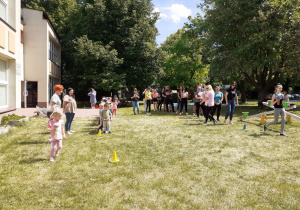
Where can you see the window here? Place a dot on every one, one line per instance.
(3, 10)
(3, 84)
(53, 52)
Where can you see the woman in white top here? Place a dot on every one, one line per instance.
(55, 102)
(184, 97)
(69, 106)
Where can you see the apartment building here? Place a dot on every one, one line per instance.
(30, 54)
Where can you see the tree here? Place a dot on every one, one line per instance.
(183, 57)
(256, 41)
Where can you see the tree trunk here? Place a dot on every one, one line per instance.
(261, 96)
(241, 87)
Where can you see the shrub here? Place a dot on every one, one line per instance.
(7, 118)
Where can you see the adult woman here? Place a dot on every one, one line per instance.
(230, 97)
(209, 104)
(148, 98)
(179, 92)
(55, 102)
(69, 107)
(163, 98)
(198, 97)
(218, 103)
(93, 100)
(184, 97)
(135, 101)
(154, 99)
(277, 99)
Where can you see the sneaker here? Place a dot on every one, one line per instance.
(193, 113)
(282, 134)
(231, 123)
(49, 140)
(265, 128)
(51, 159)
(224, 122)
(187, 113)
(179, 113)
(57, 154)
(205, 122)
(215, 122)
(74, 131)
(134, 113)
(218, 120)
(68, 132)
(198, 117)
(109, 132)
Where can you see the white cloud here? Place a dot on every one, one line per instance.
(175, 12)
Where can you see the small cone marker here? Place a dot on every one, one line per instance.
(99, 132)
(245, 128)
(115, 158)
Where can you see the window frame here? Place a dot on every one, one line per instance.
(5, 2)
(5, 83)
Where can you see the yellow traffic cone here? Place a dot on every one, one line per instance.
(115, 158)
(99, 132)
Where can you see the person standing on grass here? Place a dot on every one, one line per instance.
(159, 102)
(179, 91)
(93, 100)
(218, 102)
(69, 107)
(168, 93)
(163, 96)
(155, 95)
(148, 98)
(184, 97)
(199, 98)
(277, 102)
(115, 107)
(135, 101)
(209, 104)
(106, 116)
(55, 102)
(230, 97)
(56, 128)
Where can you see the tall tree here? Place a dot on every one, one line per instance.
(183, 57)
(257, 41)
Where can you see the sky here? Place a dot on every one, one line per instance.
(174, 14)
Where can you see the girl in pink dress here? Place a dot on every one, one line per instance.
(115, 107)
(56, 128)
(154, 99)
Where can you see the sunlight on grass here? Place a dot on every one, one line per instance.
(166, 162)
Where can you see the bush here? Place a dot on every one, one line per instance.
(7, 118)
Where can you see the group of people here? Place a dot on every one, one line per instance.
(206, 101)
(56, 124)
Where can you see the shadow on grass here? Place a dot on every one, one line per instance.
(32, 142)
(30, 161)
(259, 135)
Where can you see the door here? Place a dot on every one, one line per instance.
(32, 92)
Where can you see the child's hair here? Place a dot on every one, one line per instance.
(184, 89)
(106, 105)
(116, 99)
(209, 87)
(278, 84)
(56, 112)
(134, 89)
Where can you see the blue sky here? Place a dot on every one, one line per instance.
(174, 14)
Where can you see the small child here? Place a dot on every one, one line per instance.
(106, 117)
(115, 107)
(101, 108)
(109, 100)
(56, 128)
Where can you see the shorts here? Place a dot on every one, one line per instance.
(154, 99)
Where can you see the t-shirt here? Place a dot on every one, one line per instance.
(155, 95)
(56, 134)
(168, 91)
(184, 94)
(54, 99)
(106, 113)
(210, 101)
(71, 105)
(148, 95)
(115, 105)
(287, 98)
(136, 98)
(231, 94)
(218, 96)
(198, 94)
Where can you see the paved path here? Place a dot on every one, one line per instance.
(29, 112)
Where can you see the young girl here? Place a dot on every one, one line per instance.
(209, 104)
(179, 92)
(56, 128)
(279, 110)
(184, 96)
(115, 107)
(101, 108)
(155, 95)
(135, 101)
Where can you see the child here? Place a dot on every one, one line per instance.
(115, 107)
(56, 128)
(110, 104)
(159, 102)
(101, 108)
(106, 117)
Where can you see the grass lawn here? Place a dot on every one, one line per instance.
(166, 162)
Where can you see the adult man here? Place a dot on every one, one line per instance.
(168, 93)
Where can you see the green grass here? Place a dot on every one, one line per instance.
(166, 162)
